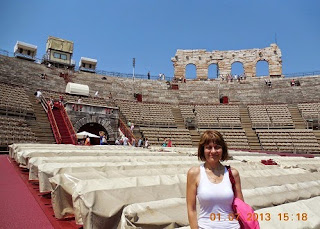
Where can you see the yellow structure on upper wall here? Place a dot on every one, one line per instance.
(59, 52)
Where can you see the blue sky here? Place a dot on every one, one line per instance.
(152, 30)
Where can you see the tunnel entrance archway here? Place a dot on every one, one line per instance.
(94, 128)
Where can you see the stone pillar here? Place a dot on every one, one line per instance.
(202, 71)
(224, 67)
(249, 69)
(179, 70)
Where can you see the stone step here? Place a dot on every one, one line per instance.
(178, 119)
(40, 126)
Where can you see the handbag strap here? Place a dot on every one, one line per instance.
(232, 179)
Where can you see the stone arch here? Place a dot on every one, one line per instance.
(213, 71)
(248, 57)
(264, 73)
(95, 119)
(189, 71)
(237, 68)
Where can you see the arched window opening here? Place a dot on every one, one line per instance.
(237, 69)
(262, 68)
(213, 71)
(191, 71)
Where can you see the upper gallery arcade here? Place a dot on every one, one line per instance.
(202, 59)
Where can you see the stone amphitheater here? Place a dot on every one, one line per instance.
(131, 187)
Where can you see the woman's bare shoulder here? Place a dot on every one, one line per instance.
(194, 171)
(235, 172)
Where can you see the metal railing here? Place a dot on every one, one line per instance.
(53, 124)
(67, 122)
(298, 74)
(126, 131)
(154, 77)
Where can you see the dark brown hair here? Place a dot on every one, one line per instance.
(212, 136)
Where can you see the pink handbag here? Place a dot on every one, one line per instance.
(245, 211)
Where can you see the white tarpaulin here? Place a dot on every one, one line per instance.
(128, 187)
(84, 134)
(77, 89)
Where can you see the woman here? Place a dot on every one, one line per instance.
(146, 143)
(164, 144)
(210, 183)
(103, 139)
(87, 142)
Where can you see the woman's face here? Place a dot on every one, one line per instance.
(212, 152)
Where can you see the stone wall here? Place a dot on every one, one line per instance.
(202, 59)
(95, 114)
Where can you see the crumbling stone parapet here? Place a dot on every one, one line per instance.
(202, 59)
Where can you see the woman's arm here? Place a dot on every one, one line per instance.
(236, 176)
(192, 183)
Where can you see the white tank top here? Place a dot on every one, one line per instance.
(215, 200)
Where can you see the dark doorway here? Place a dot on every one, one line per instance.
(224, 99)
(93, 128)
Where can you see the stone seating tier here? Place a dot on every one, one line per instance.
(27, 74)
(236, 139)
(147, 114)
(156, 136)
(15, 130)
(250, 91)
(309, 110)
(14, 98)
(270, 115)
(290, 140)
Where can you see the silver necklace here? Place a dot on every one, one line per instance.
(213, 178)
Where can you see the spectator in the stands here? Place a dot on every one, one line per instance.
(169, 143)
(194, 112)
(96, 94)
(103, 138)
(269, 83)
(38, 95)
(132, 127)
(148, 75)
(140, 143)
(87, 142)
(164, 144)
(51, 103)
(125, 140)
(43, 76)
(61, 100)
(79, 104)
(146, 143)
(292, 83)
